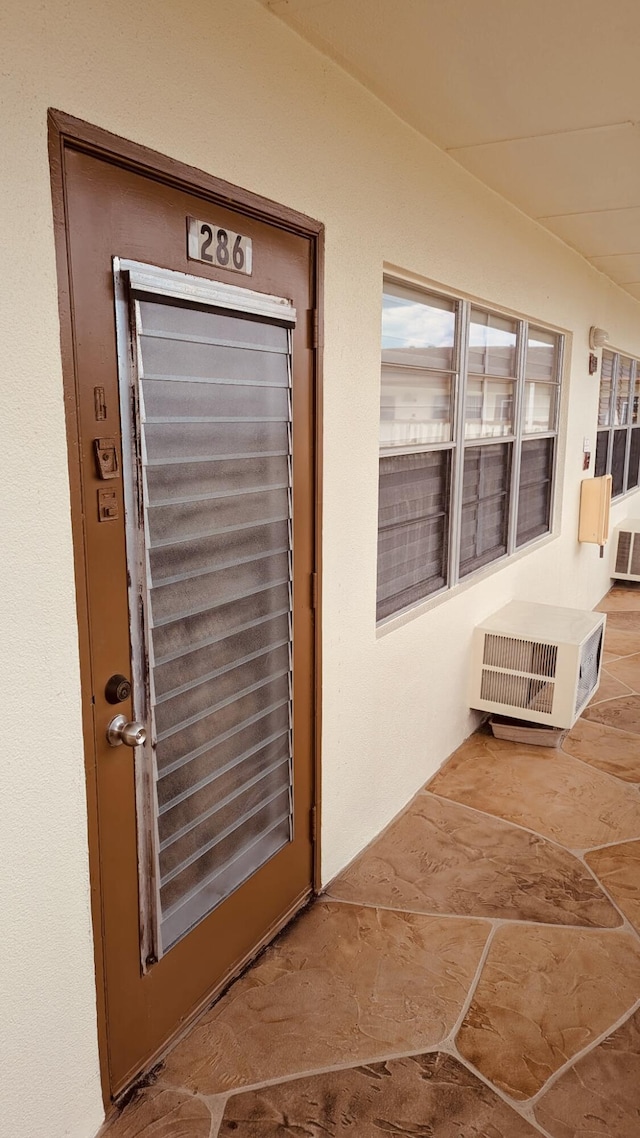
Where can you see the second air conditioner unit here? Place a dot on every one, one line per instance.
(537, 662)
(626, 551)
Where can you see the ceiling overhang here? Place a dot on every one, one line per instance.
(539, 99)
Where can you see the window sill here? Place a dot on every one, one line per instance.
(623, 497)
(420, 608)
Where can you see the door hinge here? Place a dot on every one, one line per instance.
(314, 333)
(313, 824)
(314, 590)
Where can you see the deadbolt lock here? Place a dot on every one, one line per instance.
(118, 688)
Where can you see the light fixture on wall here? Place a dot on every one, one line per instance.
(598, 337)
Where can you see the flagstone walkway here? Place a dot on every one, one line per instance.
(475, 973)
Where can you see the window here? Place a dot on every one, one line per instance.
(618, 440)
(468, 423)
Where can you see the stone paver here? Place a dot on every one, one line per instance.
(335, 1030)
(543, 996)
(623, 713)
(422, 1095)
(608, 748)
(618, 868)
(444, 858)
(343, 984)
(600, 1096)
(545, 790)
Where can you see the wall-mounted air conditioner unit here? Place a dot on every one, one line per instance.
(537, 662)
(626, 551)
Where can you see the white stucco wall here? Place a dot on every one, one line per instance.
(225, 86)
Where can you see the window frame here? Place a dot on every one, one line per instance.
(459, 444)
(612, 427)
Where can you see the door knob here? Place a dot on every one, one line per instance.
(121, 731)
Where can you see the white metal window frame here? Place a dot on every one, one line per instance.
(629, 426)
(458, 444)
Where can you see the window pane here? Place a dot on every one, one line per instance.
(489, 409)
(604, 405)
(415, 407)
(542, 355)
(636, 397)
(492, 344)
(485, 505)
(418, 329)
(602, 446)
(539, 412)
(413, 528)
(623, 389)
(534, 498)
(617, 462)
(634, 459)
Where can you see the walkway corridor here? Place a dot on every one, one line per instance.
(474, 974)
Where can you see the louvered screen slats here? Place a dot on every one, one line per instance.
(633, 476)
(602, 446)
(485, 505)
(534, 497)
(618, 461)
(413, 528)
(214, 421)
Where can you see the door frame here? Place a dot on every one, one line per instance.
(67, 132)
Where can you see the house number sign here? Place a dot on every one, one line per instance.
(216, 245)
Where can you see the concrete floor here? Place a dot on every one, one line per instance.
(475, 973)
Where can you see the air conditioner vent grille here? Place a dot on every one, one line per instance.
(527, 656)
(635, 556)
(623, 551)
(589, 667)
(538, 662)
(511, 690)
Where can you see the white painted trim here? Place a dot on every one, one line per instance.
(166, 282)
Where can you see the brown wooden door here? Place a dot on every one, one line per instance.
(210, 822)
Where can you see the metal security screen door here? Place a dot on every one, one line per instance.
(190, 393)
(205, 392)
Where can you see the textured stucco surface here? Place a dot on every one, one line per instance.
(225, 86)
